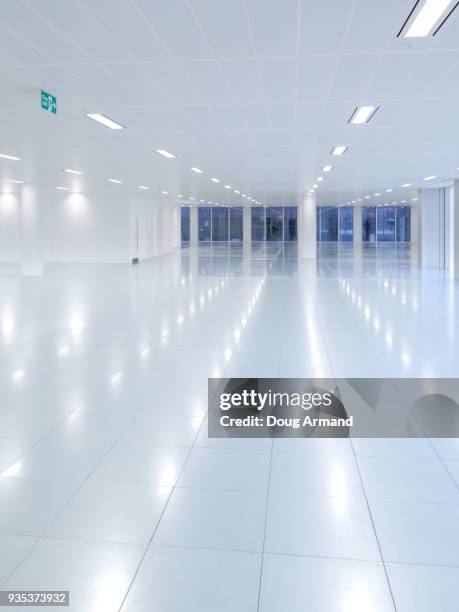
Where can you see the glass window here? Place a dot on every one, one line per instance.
(236, 223)
(258, 223)
(368, 224)
(185, 223)
(290, 223)
(220, 224)
(318, 223)
(386, 223)
(204, 224)
(346, 223)
(403, 215)
(328, 223)
(274, 224)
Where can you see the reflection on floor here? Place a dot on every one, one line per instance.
(110, 487)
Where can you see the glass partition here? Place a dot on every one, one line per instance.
(346, 223)
(204, 224)
(328, 223)
(220, 224)
(290, 223)
(385, 223)
(403, 223)
(236, 223)
(274, 224)
(185, 223)
(368, 224)
(258, 223)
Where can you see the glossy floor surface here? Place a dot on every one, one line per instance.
(111, 488)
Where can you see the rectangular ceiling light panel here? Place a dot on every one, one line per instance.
(427, 17)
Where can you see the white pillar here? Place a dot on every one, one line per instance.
(454, 232)
(194, 226)
(32, 228)
(307, 234)
(357, 225)
(247, 224)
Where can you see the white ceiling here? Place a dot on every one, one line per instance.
(254, 92)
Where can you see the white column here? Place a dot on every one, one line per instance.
(247, 224)
(454, 232)
(357, 225)
(307, 234)
(194, 226)
(32, 228)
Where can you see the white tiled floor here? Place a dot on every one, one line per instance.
(110, 487)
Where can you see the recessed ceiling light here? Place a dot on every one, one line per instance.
(315, 186)
(227, 186)
(72, 171)
(367, 197)
(165, 153)
(180, 195)
(320, 178)
(427, 17)
(389, 190)
(106, 121)
(327, 168)
(362, 114)
(16, 181)
(414, 200)
(339, 150)
(215, 180)
(165, 192)
(406, 185)
(197, 170)
(118, 182)
(10, 157)
(377, 194)
(143, 187)
(236, 191)
(429, 178)
(403, 201)
(63, 188)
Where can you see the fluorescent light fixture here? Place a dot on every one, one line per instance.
(215, 180)
(362, 114)
(377, 194)
(16, 181)
(191, 198)
(327, 168)
(320, 179)
(236, 191)
(315, 186)
(228, 187)
(165, 153)
(11, 157)
(389, 190)
(427, 17)
(367, 197)
(63, 188)
(429, 178)
(406, 185)
(106, 121)
(197, 170)
(143, 187)
(165, 192)
(339, 150)
(118, 182)
(180, 195)
(70, 171)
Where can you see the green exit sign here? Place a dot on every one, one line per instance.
(48, 102)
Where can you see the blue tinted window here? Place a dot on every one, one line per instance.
(386, 223)
(236, 223)
(204, 224)
(346, 223)
(220, 224)
(403, 217)
(368, 224)
(185, 224)
(258, 223)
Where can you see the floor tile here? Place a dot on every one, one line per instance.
(423, 588)
(422, 533)
(116, 512)
(13, 549)
(230, 520)
(177, 579)
(296, 584)
(215, 468)
(97, 574)
(320, 527)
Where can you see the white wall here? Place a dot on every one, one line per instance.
(84, 228)
(93, 228)
(10, 228)
(158, 227)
